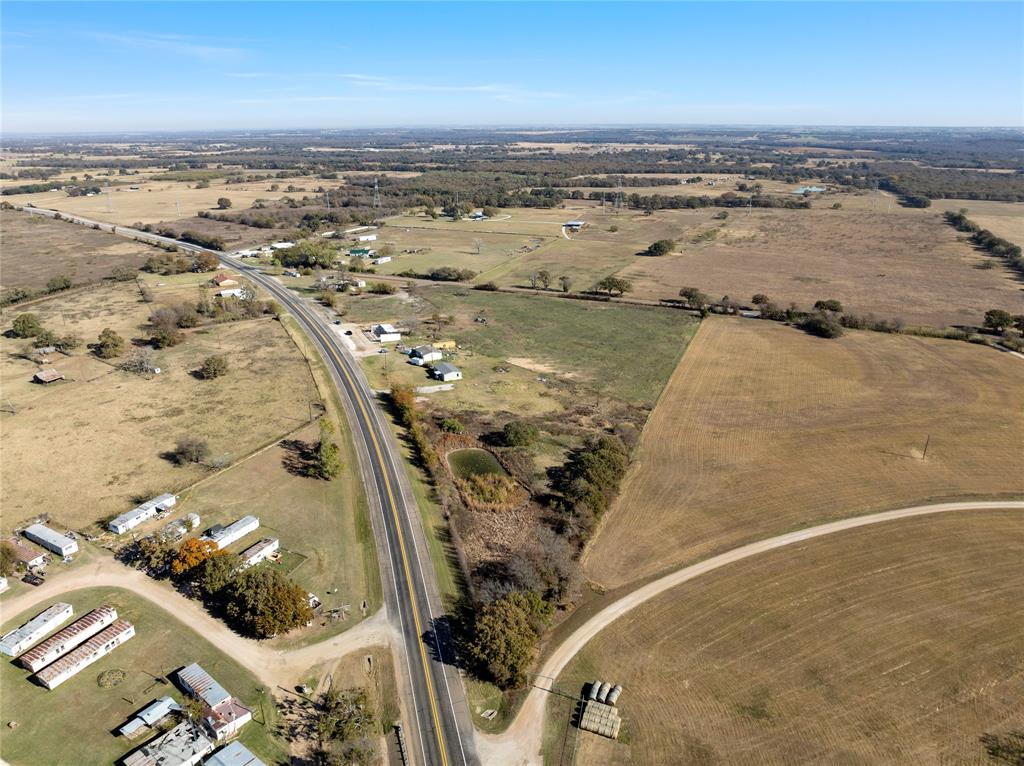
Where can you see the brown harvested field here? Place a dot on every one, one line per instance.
(899, 643)
(83, 448)
(764, 429)
(893, 265)
(1004, 219)
(33, 249)
(157, 201)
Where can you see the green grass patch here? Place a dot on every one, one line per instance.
(623, 351)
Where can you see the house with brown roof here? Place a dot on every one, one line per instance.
(225, 280)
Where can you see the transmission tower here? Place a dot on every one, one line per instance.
(376, 193)
(620, 196)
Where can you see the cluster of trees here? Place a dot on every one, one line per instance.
(403, 399)
(729, 199)
(258, 601)
(28, 326)
(326, 456)
(167, 322)
(307, 254)
(614, 285)
(192, 237)
(986, 240)
(344, 725)
(178, 263)
(441, 274)
(214, 367)
(661, 247)
(589, 481)
(505, 637)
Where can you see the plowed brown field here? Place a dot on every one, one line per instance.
(763, 429)
(901, 643)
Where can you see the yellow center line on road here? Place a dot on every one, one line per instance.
(312, 323)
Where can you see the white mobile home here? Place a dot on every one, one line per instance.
(20, 639)
(383, 259)
(63, 641)
(446, 372)
(77, 660)
(52, 541)
(426, 354)
(366, 238)
(261, 551)
(149, 509)
(236, 530)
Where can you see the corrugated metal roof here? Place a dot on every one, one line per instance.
(202, 685)
(71, 659)
(103, 615)
(49, 535)
(45, 621)
(443, 368)
(235, 754)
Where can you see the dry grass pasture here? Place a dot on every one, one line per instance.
(1004, 219)
(907, 264)
(900, 643)
(873, 256)
(82, 449)
(764, 429)
(33, 249)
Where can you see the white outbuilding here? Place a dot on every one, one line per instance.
(53, 541)
(385, 333)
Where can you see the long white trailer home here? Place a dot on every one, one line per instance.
(95, 648)
(20, 639)
(63, 641)
(236, 530)
(51, 540)
(149, 509)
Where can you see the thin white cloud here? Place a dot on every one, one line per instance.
(176, 44)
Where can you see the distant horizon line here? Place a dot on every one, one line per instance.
(499, 127)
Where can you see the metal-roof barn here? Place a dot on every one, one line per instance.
(235, 754)
(199, 683)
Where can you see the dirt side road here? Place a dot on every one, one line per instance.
(520, 744)
(274, 667)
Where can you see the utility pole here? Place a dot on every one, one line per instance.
(376, 193)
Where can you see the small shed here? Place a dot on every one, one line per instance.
(48, 376)
(385, 333)
(426, 353)
(446, 372)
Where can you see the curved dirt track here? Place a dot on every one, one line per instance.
(520, 744)
(274, 667)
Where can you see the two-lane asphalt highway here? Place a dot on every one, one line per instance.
(441, 731)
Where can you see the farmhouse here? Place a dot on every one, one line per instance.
(18, 640)
(48, 376)
(236, 530)
(52, 541)
(226, 714)
(234, 292)
(30, 557)
(95, 648)
(150, 715)
(446, 372)
(385, 333)
(261, 551)
(235, 754)
(184, 745)
(426, 354)
(224, 280)
(149, 509)
(65, 640)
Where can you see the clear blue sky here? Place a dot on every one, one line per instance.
(151, 66)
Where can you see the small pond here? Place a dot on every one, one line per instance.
(472, 461)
